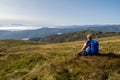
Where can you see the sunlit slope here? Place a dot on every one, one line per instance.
(25, 60)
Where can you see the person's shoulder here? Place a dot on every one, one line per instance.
(86, 41)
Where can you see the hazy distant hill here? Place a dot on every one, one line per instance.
(33, 33)
(79, 35)
(43, 32)
(107, 28)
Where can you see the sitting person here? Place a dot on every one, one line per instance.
(90, 47)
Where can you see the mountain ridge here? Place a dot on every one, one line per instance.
(75, 36)
(43, 32)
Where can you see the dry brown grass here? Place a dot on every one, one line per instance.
(40, 61)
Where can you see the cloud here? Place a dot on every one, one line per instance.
(18, 28)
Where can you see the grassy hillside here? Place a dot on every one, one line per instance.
(75, 36)
(24, 60)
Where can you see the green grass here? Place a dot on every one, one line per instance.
(25, 60)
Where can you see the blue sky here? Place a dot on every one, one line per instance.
(60, 12)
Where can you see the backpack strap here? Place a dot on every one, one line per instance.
(88, 43)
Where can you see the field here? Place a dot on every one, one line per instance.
(25, 60)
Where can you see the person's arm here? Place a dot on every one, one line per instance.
(84, 46)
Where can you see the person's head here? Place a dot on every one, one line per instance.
(89, 37)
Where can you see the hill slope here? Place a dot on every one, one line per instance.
(24, 60)
(75, 36)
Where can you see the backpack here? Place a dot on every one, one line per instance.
(92, 47)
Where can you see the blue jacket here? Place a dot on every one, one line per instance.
(92, 47)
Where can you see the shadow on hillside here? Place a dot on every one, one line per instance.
(109, 55)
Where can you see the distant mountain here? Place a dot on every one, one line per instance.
(107, 28)
(34, 33)
(43, 32)
(74, 36)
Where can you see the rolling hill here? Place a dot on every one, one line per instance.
(75, 36)
(26, 60)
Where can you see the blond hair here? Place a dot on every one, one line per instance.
(89, 36)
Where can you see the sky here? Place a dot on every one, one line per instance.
(59, 12)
